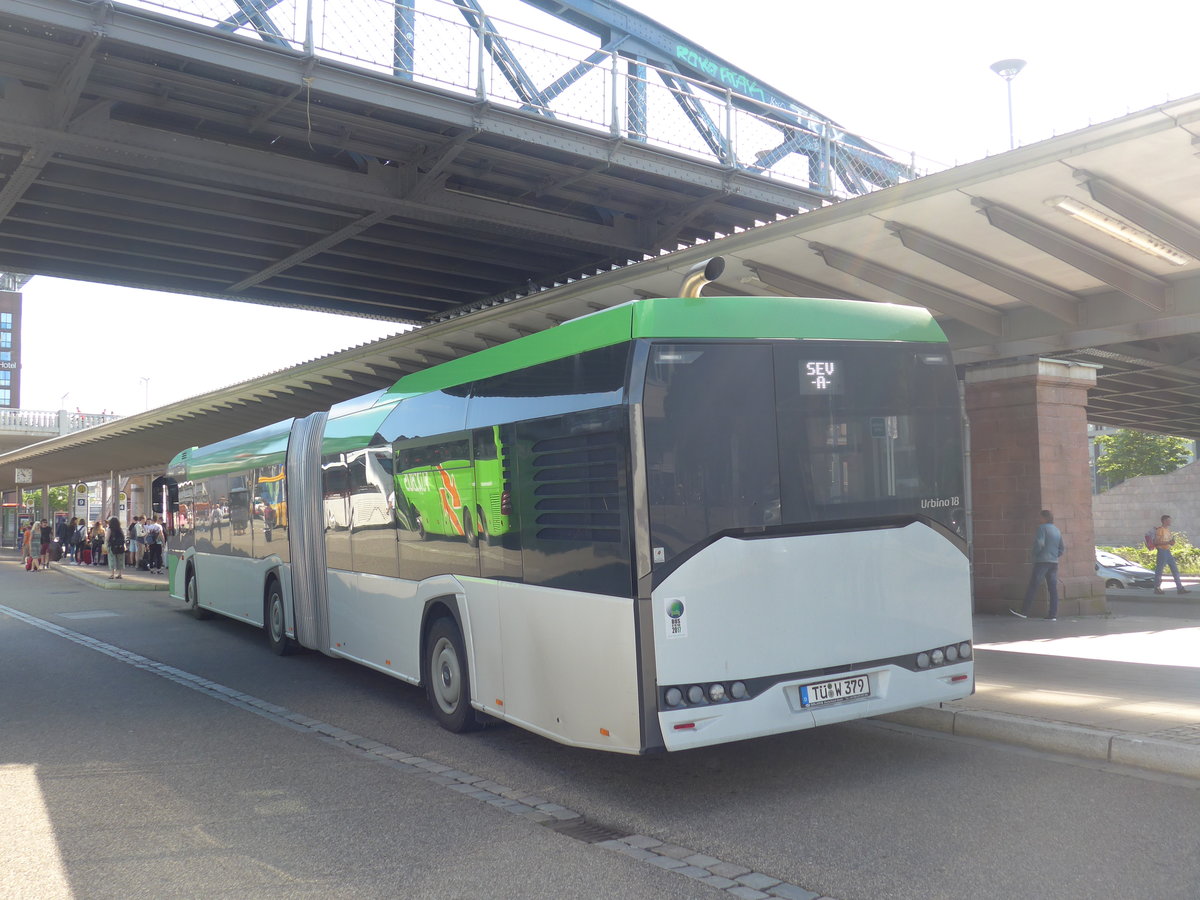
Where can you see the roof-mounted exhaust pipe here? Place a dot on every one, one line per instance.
(695, 278)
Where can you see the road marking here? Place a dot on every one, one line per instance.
(737, 880)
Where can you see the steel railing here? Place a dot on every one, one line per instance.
(51, 421)
(453, 46)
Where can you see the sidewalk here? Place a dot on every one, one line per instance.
(97, 576)
(1122, 688)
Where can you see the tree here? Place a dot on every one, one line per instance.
(1128, 453)
(60, 499)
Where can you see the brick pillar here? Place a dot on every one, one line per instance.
(1029, 452)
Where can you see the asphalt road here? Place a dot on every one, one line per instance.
(116, 781)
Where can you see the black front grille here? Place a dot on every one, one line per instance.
(578, 488)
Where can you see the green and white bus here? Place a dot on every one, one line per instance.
(704, 519)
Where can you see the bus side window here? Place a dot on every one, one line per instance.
(484, 441)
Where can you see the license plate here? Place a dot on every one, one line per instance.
(823, 692)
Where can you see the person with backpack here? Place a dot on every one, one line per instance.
(1164, 540)
(115, 541)
(154, 546)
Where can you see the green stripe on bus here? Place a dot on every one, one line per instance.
(783, 317)
(682, 319)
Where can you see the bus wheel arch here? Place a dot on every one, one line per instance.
(275, 617)
(191, 593)
(445, 669)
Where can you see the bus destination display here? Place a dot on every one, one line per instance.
(820, 376)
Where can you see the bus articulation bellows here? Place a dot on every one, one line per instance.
(669, 524)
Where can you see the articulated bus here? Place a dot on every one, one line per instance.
(672, 523)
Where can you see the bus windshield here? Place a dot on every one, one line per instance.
(797, 433)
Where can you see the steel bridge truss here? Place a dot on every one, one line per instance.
(644, 83)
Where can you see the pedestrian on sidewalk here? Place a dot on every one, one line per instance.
(1048, 548)
(47, 533)
(154, 546)
(115, 540)
(96, 541)
(31, 559)
(35, 545)
(1164, 540)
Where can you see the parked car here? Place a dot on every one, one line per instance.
(1118, 572)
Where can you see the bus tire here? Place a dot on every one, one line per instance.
(192, 593)
(275, 620)
(448, 685)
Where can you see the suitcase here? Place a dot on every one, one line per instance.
(28, 563)
(55, 552)
(85, 556)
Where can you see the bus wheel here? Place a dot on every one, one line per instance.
(448, 685)
(469, 528)
(193, 598)
(276, 621)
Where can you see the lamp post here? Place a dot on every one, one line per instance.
(1008, 69)
(145, 379)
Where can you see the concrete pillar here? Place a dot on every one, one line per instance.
(1029, 451)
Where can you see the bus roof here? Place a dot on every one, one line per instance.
(261, 447)
(737, 318)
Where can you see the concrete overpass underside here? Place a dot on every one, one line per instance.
(140, 150)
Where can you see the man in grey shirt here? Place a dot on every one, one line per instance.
(1048, 548)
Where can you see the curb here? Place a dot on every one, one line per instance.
(1124, 748)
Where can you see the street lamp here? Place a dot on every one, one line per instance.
(1008, 69)
(145, 379)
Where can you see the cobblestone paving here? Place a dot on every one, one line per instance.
(735, 880)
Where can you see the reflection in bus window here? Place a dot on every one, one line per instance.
(371, 519)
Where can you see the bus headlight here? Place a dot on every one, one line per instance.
(942, 656)
(707, 693)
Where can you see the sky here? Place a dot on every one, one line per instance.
(912, 78)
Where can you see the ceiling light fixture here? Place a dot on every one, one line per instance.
(1122, 231)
